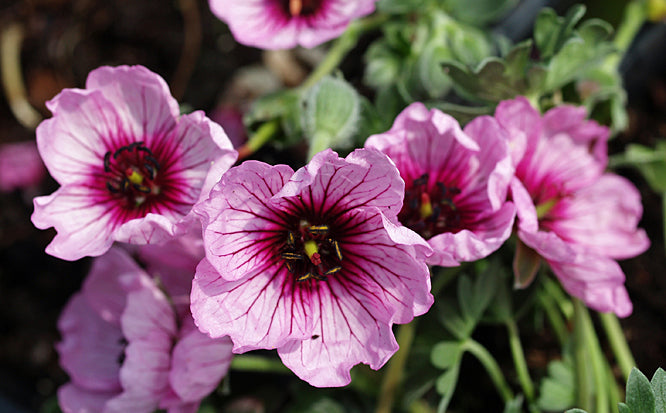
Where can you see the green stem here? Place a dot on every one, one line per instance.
(581, 361)
(554, 316)
(561, 299)
(396, 368)
(341, 47)
(320, 141)
(596, 357)
(260, 137)
(635, 14)
(519, 361)
(491, 366)
(618, 343)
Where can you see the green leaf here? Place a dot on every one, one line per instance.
(640, 396)
(623, 408)
(515, 405)
(446, 385)
(658, 384)
(650, 162)
(552, 31)
(399, 6)
(557, 391)
(575, 411)
(479, 12)
(446, 354)
(272, 106)
(449, 316)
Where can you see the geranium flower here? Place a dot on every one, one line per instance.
(20, 166)
(130, 168)
(456, 181)
(572, 214)
(129, 348)
(312, 263)
(283, 24)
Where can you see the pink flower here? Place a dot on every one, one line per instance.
(456, 181)
(129, 348)
(20, 166)
(130, 168)
(313, 263)
(575, 216)
(283, 24)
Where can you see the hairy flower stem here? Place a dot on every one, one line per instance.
(396, 368)
(256, 141)
(635, 14)
(521, 364)
(581, 361)
(341, 47)
(248, 362)
(491, 366)
(618, 343)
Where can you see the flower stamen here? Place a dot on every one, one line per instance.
(131, 172)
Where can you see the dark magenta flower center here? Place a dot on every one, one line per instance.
(311, 252)
(429, 208)
(131, 173)
(295, 8)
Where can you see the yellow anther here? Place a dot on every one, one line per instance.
(135, 178)
(426, 206)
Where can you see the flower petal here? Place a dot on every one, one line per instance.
(198, 363)
(141, 98)
(83, 128)
(83, 227)
(488, 234)
(103, 290)
(597, 280)
(603, 218)
(238, 222)
(90, 347)
(263, 310)
(73, 399)
(334, 185)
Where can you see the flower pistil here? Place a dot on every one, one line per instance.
(311, 253)
(132, 171)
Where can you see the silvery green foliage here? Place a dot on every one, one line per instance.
(643, 395)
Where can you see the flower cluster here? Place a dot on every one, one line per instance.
(318, 263)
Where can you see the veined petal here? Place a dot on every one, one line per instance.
(262, 310)
(369, 178)
(198, 363)
(141, 98)
(603, 218)
(488, 235)
(345, 333)
(83, 128)
(522, 122)
(83, 226)
(597, 280)
(239, 223)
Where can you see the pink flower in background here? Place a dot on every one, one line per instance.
(575, 216)
(130, 168)
(456, 182)
(313, 263)
(128, 348)
(20, 166)
(283, 24)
